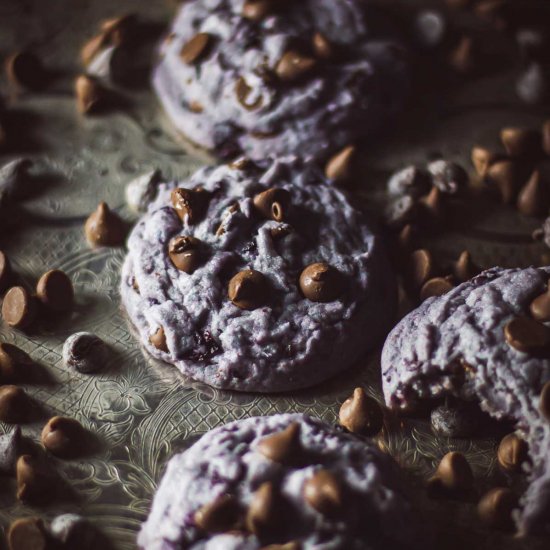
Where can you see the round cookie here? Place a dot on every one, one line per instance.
(483, 340)
(239, 300)
(272, 78)
(283, 479)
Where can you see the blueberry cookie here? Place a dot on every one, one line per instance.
(487, 339)
(265, 77)
(258, 277)
(286, 480)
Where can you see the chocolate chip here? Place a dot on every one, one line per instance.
(85, 352)
(540, 307)
(63, 437)
(243, 91)
(448, 177)
(18, 308)
(361, 414)
(521, 142)
(527, 335)
(5, 271)
(482, 159)
(464, 268)
(185, 253)
(323, 492)
(453, 421)
(462, 57)
(546, 137)
(196, 49)
(248, 289)
(55, 290)
(158, 339)
(320, 282)
(322, 47)
(273, 203)
(12, 361)
(28, 534)
(265, 512)
(104, 227)
(10, 446)
(14, 405)
(218, 516)
(25, 69)
(533, 85)
(437, 286)
(495, 508)
(430, 28)
(189, 204)
(454, 474)
(294, 65)
(282, 447)
(544, 403)
(73, 531)
(534, 198)
(420, 268)
(512, 453)
(91, 96)
(256, 10)
(34, 480)
(506, 176)
(340, 167)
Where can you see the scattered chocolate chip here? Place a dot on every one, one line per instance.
(13, 179)
(546, 137)
(91, 96)
(482, 159)
(185, 253)
(104, 227)
(540, 307)
(464, 268)
(527, 335)
(141, 191)
(85, 352)
(420, 268)
(273, 203)
(64, 437)
(495, 508)
(189, 204)
(293, 65)
(28, 534)
(248, 289)
(320, 282)
(360, 414)
(411, 181)
(5, 271)
(322, 47)
(534, 198)
(340, 167)
(454, 474)
(25, 69)
(323, 492)
(430, 28)
(158, 339)
(73, 531)
(14, 405)
(505, 175)
(437, 286)
(12, 361)
(256, 10)
(34, 479)
(448, 177)
(533, 84)
(243, 92)
(453, 421)
(196, 49)
(544, 403)
(18, 308)
(282, 447)
(220, 515)
(55, 290)
(10, 447)
(512, 453)
(521, 142)
(265, 512)
(462, 57)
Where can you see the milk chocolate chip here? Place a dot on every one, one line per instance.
(220, 515)
(64, 437)
(521, 142)
(540, 307)
(505, 175)
(437, 286)
(294, 65)
(340, 167)
(320, 282)
(12, 361)
(527, 335)
(323, 492)
(464, 268)
(361, 414)
(248, 289)
(196, 49)
(512, 453)
(25, 69)
(265, 511)
(34, 479)
(534, 198)
(273, 203)
(55, 290)
(188, 204)
(91, 96)
(18, 308)
(420, 268)
(185, 253)
(158, 339)
(322, 47)
(282, 447)
(104, 227)
(495, 508)
(5, 271)
(454, 473)
(28, 534)
(243, 91)
(14, 405)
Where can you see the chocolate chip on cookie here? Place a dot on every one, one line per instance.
(158, 339)
(185, 253)
(64, 437)
(339, 168)
(540, 307)
(85, 352)
(104, 227)
(323, 492)
(55, 290)
(218, 516)
(28, 534)
(453, 474)
(527, 335)
(265, 512)
(18, 308)
(248, 289)
(189, 204)
(284, 446)
(496, 506)
(273, 203)
(14, 405)
(293, 65)
(512, 453)
(196, 49)
(320, 282)
(361, 414)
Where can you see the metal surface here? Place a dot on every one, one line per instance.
(143, 413)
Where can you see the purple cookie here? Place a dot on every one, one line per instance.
(463, 344)
(273, 338)
(225, 82)
(284, 479)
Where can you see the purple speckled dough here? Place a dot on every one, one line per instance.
(421, 359)
(346, 98)
(226, 460)
(289, 343)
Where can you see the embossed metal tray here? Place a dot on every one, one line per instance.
(142, 412)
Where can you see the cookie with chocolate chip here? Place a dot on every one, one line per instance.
(265, 77)
(486, 340)
(257, 277)
(287, 480)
